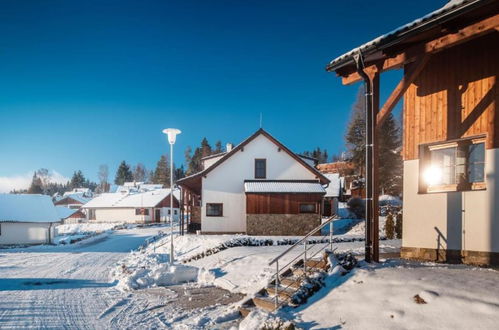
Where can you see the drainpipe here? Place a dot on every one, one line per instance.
(359, 61)
(50, 232)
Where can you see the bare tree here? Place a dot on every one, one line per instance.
(140, 173)
(103, 175)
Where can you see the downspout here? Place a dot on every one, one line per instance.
(359, 61)
(50, 232)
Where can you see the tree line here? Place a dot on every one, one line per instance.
(41, 181)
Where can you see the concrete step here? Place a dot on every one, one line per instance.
(292, 282)
(281, 291)
(265, 303)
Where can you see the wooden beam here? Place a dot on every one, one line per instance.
(402, 86)
(463, 35)
(437, 45)
(384, 65)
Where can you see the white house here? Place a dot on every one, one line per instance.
(27, 219)
(133, 205)
(259, 187)
(333, 193)
(75, 198)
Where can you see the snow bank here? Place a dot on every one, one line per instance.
(73, 233)
(80, 228)
(257, 320)
(159, 275)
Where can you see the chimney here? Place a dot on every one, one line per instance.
(228, 147)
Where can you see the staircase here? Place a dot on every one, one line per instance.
(294, 281)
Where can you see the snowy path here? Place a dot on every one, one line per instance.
(68, 286)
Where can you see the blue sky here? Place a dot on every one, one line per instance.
(84, 83)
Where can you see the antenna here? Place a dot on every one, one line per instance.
(261, 119)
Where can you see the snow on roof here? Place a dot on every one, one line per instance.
(333, 190)
(27, 208)
(65, 212)
(77, 197)
(130, 199)
(399, 32)
(292, 187)
(81, 191)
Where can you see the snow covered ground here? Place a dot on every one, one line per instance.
(78, 286)
(242, 269)
(69, 286)
(383, 297)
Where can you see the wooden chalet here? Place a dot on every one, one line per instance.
(450, 60)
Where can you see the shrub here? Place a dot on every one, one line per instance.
(398, 226)
(389, 227)
(356, 206)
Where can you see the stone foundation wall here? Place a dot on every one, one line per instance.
(281, 224)
(478, 258)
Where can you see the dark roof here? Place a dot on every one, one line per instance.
(190, 179)
(214, 155)
(451, 10)
(308, 157)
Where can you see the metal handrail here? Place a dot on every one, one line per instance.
(299, 243)
(316, 229)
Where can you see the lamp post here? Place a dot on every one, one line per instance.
(172, 136)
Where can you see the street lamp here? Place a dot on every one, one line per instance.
(172, 136)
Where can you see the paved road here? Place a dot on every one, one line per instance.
(69, 286)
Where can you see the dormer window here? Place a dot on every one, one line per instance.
(260, 168)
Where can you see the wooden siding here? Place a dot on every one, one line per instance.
(166, 202)
(279, 203)
(454, 96)
(67, 201)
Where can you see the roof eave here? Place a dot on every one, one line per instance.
(392, 40)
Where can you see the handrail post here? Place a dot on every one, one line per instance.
(305, 257)
(277, 285)
(331, 235)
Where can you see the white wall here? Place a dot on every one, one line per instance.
(25, 232)
(128, 215)
(210, 161)
(468, 220)
(121, 215)
(165, 216)
(225, 184)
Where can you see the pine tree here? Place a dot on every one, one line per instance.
(162, 172)
(356, 133)
(321, 155)
(179, 173)
(205, 148)
(398, 225)
(389, 144)
(78, 180)
(390, 160)
(36, 185)
(123, 174)
(218, 147)
(389, 227)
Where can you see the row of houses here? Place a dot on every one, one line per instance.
(32, 218)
